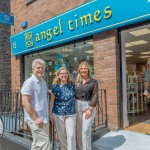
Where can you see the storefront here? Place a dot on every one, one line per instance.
(135, 54)
(97, 32)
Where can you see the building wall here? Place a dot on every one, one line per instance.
(105, 51)
(106, 72)
(35, 13)
(5, 50)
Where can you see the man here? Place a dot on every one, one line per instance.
(147, 80)
(34, 100)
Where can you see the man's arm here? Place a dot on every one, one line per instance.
(26, 102)
(51, 107)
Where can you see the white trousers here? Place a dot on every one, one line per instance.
(84, 125)
(40, 137)
(66, 130)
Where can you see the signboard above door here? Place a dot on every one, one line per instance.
(88, 19)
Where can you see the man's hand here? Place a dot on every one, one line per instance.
(39, 122)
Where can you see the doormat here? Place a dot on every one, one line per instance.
(143, 127)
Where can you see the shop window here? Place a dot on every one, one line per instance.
(135, 54)
(69, 56)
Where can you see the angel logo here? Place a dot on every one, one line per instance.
(29, 39)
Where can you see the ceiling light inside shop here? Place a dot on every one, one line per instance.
(138, 42)
(135, 43)
(82, 46)
(129, 51)
(68, 50)
(129, 55)
(144, 56)
(89, 42)
(128, 45)
(145, 53)
(140, 32)
(89, 51)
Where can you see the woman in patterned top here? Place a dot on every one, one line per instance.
(62, 109)
(86, 94)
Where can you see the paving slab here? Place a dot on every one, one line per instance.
(123, 140)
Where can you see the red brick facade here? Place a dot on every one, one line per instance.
(105, 64)
(105, 49)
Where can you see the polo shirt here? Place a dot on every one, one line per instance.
(38, 90)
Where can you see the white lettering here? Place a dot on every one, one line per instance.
(14, 45)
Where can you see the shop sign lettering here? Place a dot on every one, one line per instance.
(75, 24)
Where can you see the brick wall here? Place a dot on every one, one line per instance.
(39, 10)
(5, 50)
(105, 64)
(16, 73)
(34, 13)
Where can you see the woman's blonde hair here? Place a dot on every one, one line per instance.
(79, 77)
(57, 79)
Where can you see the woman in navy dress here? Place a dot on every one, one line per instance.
(62, 109)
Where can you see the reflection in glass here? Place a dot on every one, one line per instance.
(69, 56)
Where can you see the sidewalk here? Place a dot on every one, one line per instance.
(14, 142)
(6, 144)
(123, 140)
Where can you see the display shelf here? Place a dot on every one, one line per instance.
(136, 101)
(142, 98)
(132, 95)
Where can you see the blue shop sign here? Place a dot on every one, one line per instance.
(6, 19)
(85, 20)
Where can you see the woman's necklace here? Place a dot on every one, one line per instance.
(84, 81)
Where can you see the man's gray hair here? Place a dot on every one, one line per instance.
(38, 61)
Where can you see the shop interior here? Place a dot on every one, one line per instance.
(69, 56)
(136, 48)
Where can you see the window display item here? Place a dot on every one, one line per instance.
(59, 56)
(57, 66)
